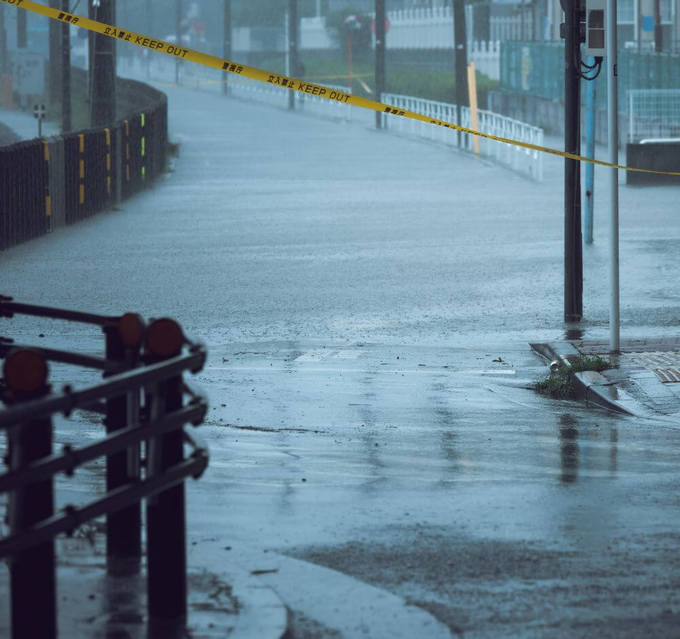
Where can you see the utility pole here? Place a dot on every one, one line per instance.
(21, 29)
(379, 57)
(103, 69)
(149, 29)
(55, 57)
(178, 31)
(226, 53)
(658, 32)
(66, 124)
(460, 47)
(3, 44)
(293, 44)
(573, 251)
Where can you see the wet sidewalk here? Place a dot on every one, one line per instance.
(645, 381)
(224, 600)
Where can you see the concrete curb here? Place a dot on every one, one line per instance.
(261, 613)
(224, 600)
(591, 386)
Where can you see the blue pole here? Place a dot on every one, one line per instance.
(589, 194)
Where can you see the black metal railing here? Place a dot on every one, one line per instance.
(142, 400)
(47, 183)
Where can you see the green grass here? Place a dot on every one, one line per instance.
(415, 81)
(560, 382)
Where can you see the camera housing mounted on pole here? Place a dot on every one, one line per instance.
(595, 28)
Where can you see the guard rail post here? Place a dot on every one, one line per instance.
(32, 571)
(123, 528)
(165, 512)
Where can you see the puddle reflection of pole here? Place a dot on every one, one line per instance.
(613, 450)
(569, 449)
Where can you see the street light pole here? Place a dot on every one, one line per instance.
(227, 42)
(460, 44)
(66, 124)
(379, 56)
(613, 140)
(178, 30)
(293, 43)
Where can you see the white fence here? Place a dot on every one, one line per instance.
(519, 159)
(278, 96)
(430, 28)
(653, 113)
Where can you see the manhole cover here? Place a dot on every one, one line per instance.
(665, 365)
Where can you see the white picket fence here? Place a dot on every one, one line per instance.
(522, 160)
(416, 29)
(278, 96)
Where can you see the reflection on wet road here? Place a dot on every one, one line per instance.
(436, 474)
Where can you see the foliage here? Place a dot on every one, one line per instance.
(560, 381)
(349, 23)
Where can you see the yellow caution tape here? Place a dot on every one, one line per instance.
(334, 95)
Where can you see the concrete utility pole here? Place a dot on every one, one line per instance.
(178, 31)
(21, 29)
(293, 44)
(103, 69)
(460, 47)
(66, 124)
(226, 53)
(55, 57)
(573, 251)
(3, 44)
(658, 31)
(379, 56)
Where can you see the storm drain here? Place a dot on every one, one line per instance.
(665, 365)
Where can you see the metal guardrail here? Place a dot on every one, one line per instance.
(519, 159)
(49, 182)
(142, 401)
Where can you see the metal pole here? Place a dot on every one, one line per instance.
(460, 44)
(589, 198)
(293, 41)
(379, 57)
(165, 513)
(21, 29)
(123, 528)
(573, 257)
(227, 42)
(66, 124)
(32, 571)
(149, 28)
(613, 139)
(55, 57)
(658, 31)
(3, 42)
(178, 31)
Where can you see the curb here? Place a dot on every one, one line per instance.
(261, 613)
(591, 386)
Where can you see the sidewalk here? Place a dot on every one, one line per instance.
(224, 600)
(645, 382)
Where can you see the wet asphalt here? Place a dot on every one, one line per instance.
(367, 301)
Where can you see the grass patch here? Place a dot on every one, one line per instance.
(560, 382)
